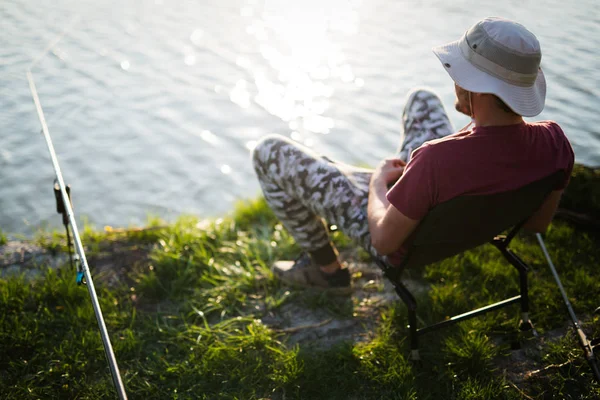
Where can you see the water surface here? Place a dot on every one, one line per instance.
(153, 106)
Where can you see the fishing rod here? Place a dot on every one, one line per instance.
(587, 346)
(83, 271)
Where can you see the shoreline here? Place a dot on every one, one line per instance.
(580, 205)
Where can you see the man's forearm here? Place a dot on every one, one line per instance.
(378, 204)
(387, 225)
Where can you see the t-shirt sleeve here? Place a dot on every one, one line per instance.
(415, 192)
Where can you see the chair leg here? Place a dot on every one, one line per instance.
(411, 305)
(414, 336)
(525, 323)
(393, 275)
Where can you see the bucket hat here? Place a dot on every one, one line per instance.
(500, 57)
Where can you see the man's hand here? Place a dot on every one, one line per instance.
(388, 171)
(389, 228)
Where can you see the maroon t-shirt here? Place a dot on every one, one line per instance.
(483, 161)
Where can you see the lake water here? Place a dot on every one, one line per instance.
(153, 105)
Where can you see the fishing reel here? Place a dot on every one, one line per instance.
(61, 209)
(60, 205)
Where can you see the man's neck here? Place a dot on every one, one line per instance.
(498, 120)
(487, 113)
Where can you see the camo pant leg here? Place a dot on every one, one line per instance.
(305, 189)
(424, 118)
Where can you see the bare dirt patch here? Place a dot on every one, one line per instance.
(321, 328)
(110, 262)
(24, 257)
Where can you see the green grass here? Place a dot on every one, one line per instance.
(186, 323)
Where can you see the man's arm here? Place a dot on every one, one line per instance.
(540, 220)
(389, 228)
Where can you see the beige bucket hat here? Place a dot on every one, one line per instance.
(501, 57)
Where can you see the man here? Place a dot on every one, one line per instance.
(496, 70)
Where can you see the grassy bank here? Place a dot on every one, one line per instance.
(194, 312)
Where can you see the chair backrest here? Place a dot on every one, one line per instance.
(466, 222)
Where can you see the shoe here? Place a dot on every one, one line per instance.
(302, 272)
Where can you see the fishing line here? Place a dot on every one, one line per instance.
(83, 271)
(53, 43)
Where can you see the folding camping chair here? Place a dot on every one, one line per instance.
(461, 224)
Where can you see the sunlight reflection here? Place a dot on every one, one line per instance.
(190, 59)
(196, 36)
(296, 136)
(251, 144)
(246, 12)
(242, 62)
(208, 136)
(319, 124)
(189, 56)
(240, 95)
(304, 60)
(258, 30)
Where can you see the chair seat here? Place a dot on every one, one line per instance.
(466, 222)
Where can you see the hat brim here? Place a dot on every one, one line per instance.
(526, 101)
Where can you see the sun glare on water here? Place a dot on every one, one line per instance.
(301, 61)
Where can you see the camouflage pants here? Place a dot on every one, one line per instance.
(308, 191)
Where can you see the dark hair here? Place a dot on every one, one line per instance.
(503, 106)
